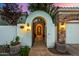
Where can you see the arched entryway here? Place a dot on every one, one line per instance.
(49, 29)
(38, 31)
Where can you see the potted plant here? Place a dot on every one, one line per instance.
(15, 46)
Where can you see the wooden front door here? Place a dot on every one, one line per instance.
(39, 31)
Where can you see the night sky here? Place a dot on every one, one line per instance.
(25, 5)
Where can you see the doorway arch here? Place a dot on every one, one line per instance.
(50, 28)
(39, 30)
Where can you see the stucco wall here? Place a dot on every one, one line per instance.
(24, 36)
(27, 36)
(72, 34)
(7, 33)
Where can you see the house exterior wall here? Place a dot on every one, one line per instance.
(24, 36)
(27, 36)
(70, 15)
(72, 33)
(7, 34)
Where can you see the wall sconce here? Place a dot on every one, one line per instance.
(28, 27)
(62, 25)
(25, 27)
(21, 27)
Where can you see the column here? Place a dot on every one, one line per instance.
(61, 36)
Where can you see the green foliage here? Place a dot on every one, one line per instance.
(17, 39)
(11, 13)
(53, 18)
(13, 43)
(24, 51)
(38, 6)
(47, 7)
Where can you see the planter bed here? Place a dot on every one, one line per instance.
(14, 50)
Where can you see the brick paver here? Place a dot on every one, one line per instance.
(39, 49)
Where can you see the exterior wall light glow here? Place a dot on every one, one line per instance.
(28, 28)
(22, 27)
(62, 25)
(25, 27)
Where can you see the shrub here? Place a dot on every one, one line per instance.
(24, 51)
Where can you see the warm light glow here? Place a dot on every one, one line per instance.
(26, 28)
(37, 30)
(62, 26)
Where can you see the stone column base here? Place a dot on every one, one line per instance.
(61, 47)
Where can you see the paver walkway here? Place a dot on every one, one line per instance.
(39, 49)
